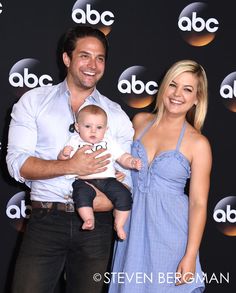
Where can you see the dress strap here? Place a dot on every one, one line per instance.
(181, 135)
(149, 125)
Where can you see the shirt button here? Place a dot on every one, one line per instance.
(66, 197)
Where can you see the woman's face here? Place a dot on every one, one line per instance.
(181, 94)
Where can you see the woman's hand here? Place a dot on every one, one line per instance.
(186, 270)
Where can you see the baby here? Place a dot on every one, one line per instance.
(91, 126)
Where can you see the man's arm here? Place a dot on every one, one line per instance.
(24, 164)
(81, 164)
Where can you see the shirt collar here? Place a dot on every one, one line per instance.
(63, 88)
(94, 97)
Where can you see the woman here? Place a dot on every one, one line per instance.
(165, 226)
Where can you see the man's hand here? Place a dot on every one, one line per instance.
(120, 176)
(84, 164)
(81, 164)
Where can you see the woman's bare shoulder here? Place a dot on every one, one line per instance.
(199, 143)
(141, 119)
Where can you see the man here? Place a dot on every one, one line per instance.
(42, 121)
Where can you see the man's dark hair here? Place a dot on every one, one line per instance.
(79, 32)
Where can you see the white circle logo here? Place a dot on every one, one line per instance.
(136, 88)
(225, 215)
(196, 25)
(228, 91)
(92, 13)
(27, 74)
(18, 210)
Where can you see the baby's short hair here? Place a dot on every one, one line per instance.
(91, 109)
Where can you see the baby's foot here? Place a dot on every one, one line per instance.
(88, 224)
(120, 232)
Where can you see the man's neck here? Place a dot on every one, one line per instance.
(78, 96)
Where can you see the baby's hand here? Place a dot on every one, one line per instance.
(136, 163)
(67, 151)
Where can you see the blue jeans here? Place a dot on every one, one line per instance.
(54, 241)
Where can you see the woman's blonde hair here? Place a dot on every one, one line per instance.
(196, 115)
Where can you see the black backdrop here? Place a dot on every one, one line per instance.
(145, 38)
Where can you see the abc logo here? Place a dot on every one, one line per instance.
(225, 215)
(27, 74)
(197, 28)
(83, 14)
(136, 88)
(28, 79)
(18, 209)
(228, 91)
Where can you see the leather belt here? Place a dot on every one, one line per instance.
(68, 207)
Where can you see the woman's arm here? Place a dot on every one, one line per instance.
(198, 197)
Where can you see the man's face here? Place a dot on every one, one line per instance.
(87, 64)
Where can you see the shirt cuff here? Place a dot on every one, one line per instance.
(16, 165)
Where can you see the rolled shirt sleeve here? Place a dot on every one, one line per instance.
(39, 128)
(22, 137)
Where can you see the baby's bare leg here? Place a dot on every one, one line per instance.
(87, 215)
(120, 219)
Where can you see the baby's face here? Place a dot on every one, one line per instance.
(92, 127)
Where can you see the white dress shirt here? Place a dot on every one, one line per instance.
(40, 127)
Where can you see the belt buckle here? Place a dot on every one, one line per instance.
(70, 208)
(46, 205)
